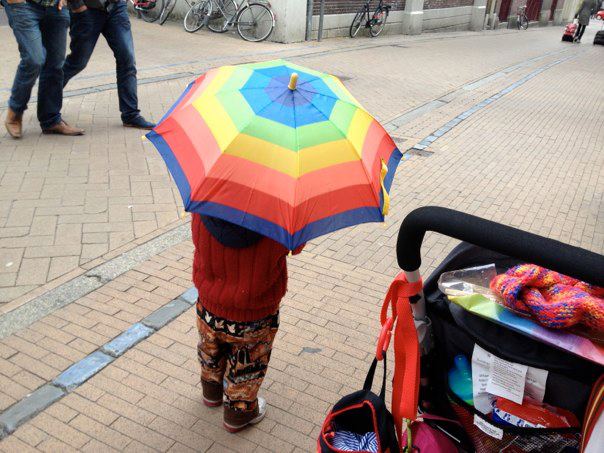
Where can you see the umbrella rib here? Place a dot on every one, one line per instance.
(357, 105)
(298, 156)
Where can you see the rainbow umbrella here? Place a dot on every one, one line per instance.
(279, 149)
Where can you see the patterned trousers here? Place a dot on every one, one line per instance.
(236, 355)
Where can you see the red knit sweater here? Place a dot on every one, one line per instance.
(239, 284)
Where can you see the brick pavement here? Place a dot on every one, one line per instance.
(532, 159)
(65, 203)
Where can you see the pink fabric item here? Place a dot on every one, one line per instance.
(424, 438)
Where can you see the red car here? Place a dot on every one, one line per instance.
(600, 15)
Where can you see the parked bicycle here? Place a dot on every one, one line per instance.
(374, 22)
(198, 15)
(153, 10)
(148, 10)
(254, 21)
(522, 22)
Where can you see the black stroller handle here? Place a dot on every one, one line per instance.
(566, 259)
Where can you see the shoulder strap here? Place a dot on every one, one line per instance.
(595, 409)
(405, 383)
(369, 379)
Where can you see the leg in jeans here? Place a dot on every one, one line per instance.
(24, 19)
(50, 90)
(119, 37)
(246, 367)
(84, 31)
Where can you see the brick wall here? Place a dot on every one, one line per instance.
(434, 4)
(352, 6)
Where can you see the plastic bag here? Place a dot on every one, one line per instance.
(465, 282)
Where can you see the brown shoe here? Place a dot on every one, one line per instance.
(212, 393)
(235, 421)
(14, 123)
(62, 128)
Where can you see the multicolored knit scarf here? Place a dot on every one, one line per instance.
(552, 299)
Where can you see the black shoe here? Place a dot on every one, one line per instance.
(139, 123)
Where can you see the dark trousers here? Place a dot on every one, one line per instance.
(41, 34)
(114, 25)
(580, 31)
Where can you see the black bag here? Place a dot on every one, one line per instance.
(361, 412)
(599, 38)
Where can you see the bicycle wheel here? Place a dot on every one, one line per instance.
(165, 13)
(355, 26)
(197, 15)
(255, 22)
(151, 13)
(523, 22)
(378, 21)
(222, 12)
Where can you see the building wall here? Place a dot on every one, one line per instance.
(351, 6)
(447, 19)
(440, 4)
(456, 15)
(438, 15)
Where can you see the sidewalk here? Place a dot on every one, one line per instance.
(532, 159)
(66, 204)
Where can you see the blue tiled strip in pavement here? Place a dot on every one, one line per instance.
(81, 371)
(427, 141)
(136, 333)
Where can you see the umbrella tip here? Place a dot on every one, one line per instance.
(293, 81)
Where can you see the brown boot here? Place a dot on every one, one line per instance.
(62, 128)
(235, 421)
(14, 123)
(212, 393)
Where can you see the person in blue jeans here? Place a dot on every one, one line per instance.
(110, 18)
(40, 27)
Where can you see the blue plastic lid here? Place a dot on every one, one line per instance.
(460, 379)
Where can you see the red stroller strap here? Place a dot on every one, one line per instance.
(405, 383)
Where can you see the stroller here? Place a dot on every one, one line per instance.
(445, 331)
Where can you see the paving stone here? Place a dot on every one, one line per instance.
(33, 271)
(126, 340)
(29, 407)
(82, 370)
(165, 314)
(190, 295)
(43, 226)
(61, 265)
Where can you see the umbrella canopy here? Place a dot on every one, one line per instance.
(277, 148)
